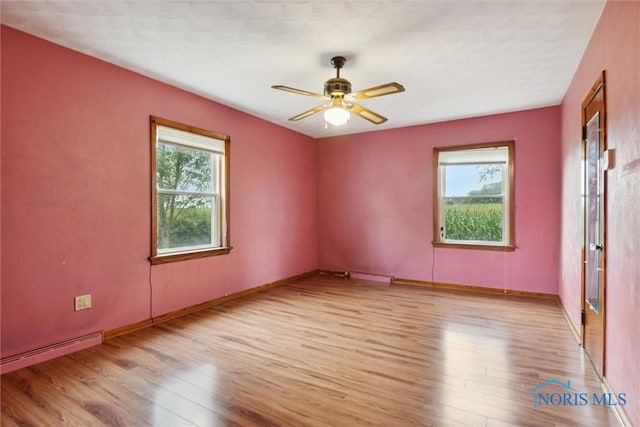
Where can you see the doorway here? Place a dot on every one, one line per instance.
(594, 205)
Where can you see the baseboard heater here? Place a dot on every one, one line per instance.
(370, 277)
(28, 358)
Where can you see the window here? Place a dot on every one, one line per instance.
(474, 196)
(190, 192)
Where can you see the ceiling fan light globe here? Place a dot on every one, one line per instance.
(336, 116)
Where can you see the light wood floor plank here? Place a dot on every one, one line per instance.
(321, 351)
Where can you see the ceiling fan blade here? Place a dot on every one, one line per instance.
(309, 112)
(366, 114)
(372, 92)
(299, 91)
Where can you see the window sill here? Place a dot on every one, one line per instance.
(476, 246)
(183, 256)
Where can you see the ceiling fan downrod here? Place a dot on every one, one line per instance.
(338, 62)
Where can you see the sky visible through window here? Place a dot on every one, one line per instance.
(464, 178)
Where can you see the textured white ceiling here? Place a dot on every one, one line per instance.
(456, 59)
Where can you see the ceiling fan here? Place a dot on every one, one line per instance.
(341, 100)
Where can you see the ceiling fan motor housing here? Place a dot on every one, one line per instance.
(337, 87)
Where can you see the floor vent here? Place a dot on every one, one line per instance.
(28, 358)
(370, 277)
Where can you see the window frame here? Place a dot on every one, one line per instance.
(224, 193)
(507, 246)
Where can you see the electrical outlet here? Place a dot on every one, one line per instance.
(82, 302)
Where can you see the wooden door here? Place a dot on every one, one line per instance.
(593, 283)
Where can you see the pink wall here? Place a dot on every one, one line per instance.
(615, 48)
(76, 197)
(375, 203)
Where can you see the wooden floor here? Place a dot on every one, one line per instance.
(321, 352)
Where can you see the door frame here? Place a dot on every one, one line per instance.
(599, 85)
